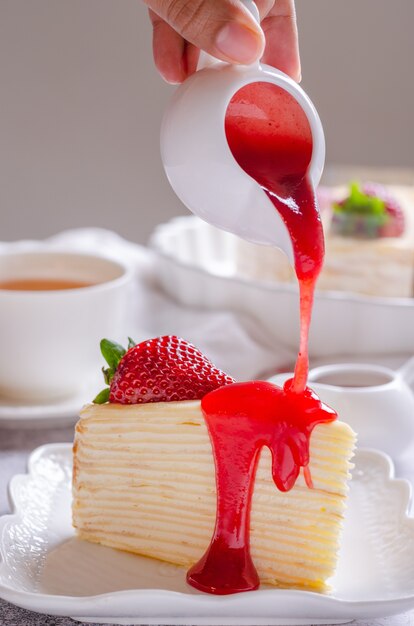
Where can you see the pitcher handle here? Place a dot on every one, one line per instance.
(406, 371)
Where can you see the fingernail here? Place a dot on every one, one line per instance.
(239, 43)
(173, 74)
(172, 79)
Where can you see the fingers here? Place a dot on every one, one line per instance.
(264, 7)
(223, 28)
(169, 50)
(191, 57)
(175, 59)
(282, 46)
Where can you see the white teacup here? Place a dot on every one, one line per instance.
(376, 401)
(49, 337)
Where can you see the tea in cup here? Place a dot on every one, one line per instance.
(54, 309)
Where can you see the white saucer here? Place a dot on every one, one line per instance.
(45, 568)
(64, 412)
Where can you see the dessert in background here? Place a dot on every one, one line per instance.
(369, 243)
(144, 475)
(370, 212)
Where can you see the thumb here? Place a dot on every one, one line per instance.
(223, 28)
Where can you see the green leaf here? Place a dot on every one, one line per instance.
(360, 203)
(102, 397)
(112, 352)
(108, 374)
(131, 343)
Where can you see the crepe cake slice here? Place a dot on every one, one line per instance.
(144, 482)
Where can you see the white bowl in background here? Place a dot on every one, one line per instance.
(196, 265)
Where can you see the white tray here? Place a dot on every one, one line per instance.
(196, 266)
(46, 569)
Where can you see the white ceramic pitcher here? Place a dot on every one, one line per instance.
(198, 161)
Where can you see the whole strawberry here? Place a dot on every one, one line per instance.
(163, 369)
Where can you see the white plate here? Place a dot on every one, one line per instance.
(46, 569)
(14, 414)
(197, 267)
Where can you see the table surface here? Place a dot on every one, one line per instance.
(15, 446)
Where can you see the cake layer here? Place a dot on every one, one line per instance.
(144, 482)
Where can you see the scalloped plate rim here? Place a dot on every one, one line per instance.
(63, 605)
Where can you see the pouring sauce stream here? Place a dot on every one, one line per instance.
(269, 136)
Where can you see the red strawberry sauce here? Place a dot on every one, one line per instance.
(270, 138)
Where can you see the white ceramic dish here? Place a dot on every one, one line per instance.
(196, 266)
(62, 412)
(46, 569)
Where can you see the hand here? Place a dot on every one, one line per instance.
(224, 29)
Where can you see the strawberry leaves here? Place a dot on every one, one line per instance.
(112, 352)
(367, 212)
(362, 203)
(102, 397)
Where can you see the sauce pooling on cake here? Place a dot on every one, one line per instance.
(241, 419)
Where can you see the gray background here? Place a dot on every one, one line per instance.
(80, 106)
